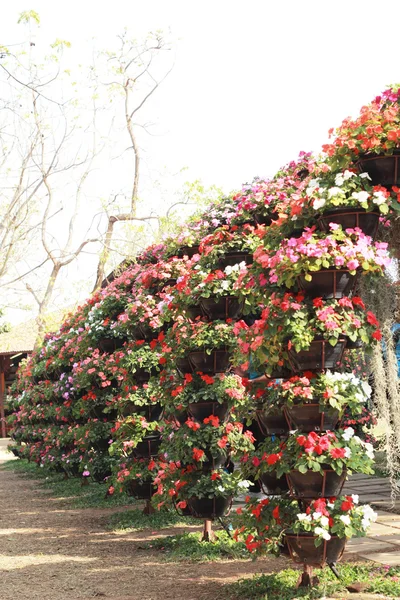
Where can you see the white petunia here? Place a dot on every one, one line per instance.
(365, 175)
(379, 198)
(317, 516)
(345, 519)
(339, 179)
(304, 517)
(319, 203)
(324, 521)
(348, 434)
(322, 532)
(334, 191)
(355, 498)
(348, 174)
(360, 196)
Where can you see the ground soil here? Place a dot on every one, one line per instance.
(52, 552)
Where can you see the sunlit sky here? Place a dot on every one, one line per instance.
(253, 83)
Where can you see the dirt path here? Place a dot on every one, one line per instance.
(51, 552)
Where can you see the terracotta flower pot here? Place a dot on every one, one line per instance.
(302, 549)
(272, 423)
(329, 283)
(202, 410)
(307, 418)
(273, 485)
(320, 355)
(383, 169)
(209, 508)
(315, 485)
(349, 218)
(226, 307)
(216, 362)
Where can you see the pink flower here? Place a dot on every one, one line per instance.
(352, 265)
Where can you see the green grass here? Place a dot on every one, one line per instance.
(188, 547)
(70, 490)
(381, 580)
(135, 520)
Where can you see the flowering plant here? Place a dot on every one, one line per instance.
(129, 432)
(375, 131)
(227, 239)
(333, 391)
(185, 337)
(203, 283)
(292, 321)
(340, 516)
(339, 451)
(311, 252)
(133, 469)
(141, 355)
(195, 443)
(347, 189)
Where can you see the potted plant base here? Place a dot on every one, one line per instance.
(302, 549)
(188, 251)
(329, 283)
(148, 447)
(142, 490)
(271, 424)
(226, 307)
(321, 355)
(382, 169)
(273, 485)
(216, 362)
(202, 410)
(152, 412)
(183, 365)
(307, 418)
(209, 508)
(110, 345)
(311, 485)
(349, 218)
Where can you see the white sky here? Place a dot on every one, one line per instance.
(254, 82)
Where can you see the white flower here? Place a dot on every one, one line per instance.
(347, 174)
(324, 521)
(330, 504)
(304, 517)
(360, 196)
(317, 516)
(334, 191)
(348, 434)
(378, 198)
(220, 488)
(355, 498)
(319, 203)
(339, 179)
(366, 388)
(322, 532)
(225, 284)
(369, 450)
(365, 175)
(347, 452)
(314, 183)
(345, 519)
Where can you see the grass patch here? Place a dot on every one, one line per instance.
(70, 490)
(135, 520)
(381, 580)
(188, 547)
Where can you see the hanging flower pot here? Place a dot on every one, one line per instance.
(307, 418)
(272, 423)
(182, 512)
(209, 508)
(349, 218)
(213, 462)
(148, 447)
(143, 331)
(110, 344)
(216, 362)
(101, 476)
(142, 490)
(383, 169)
(233, 258)
(222, 308)
(320, 355)
(142, 375)
(194, 311)
(188, 251)
(315, 485)
(183, 365)
(152, 412)
(273, 485)
(354, 345)
(329, 283)
(202, 410)
(302, 549)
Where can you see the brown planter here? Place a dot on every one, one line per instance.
(142, 490)
(148, 447)
(349, 218)
(216, 362)
(188, 251)
(302, 549)
(183, 365)
(272, 423)
(383, 169)
(315, 485)
(229, 259)
(143, 375)
(209, 508)
(273, 485)
(321, 355)
(194, 312)
(110, 344)
(202, 410)
(307, 418)
(226, 307)
(329, 283)
(152, 412)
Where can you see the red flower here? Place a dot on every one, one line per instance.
(347, 504)
(212, 419)
(198, 454)
(273, 458)
(275, 512)
(318, 302)
(372, 320)
(207, 379)
(256, 461)
(377, 335)
(337, 452)
(192, 424)
(215, 476)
